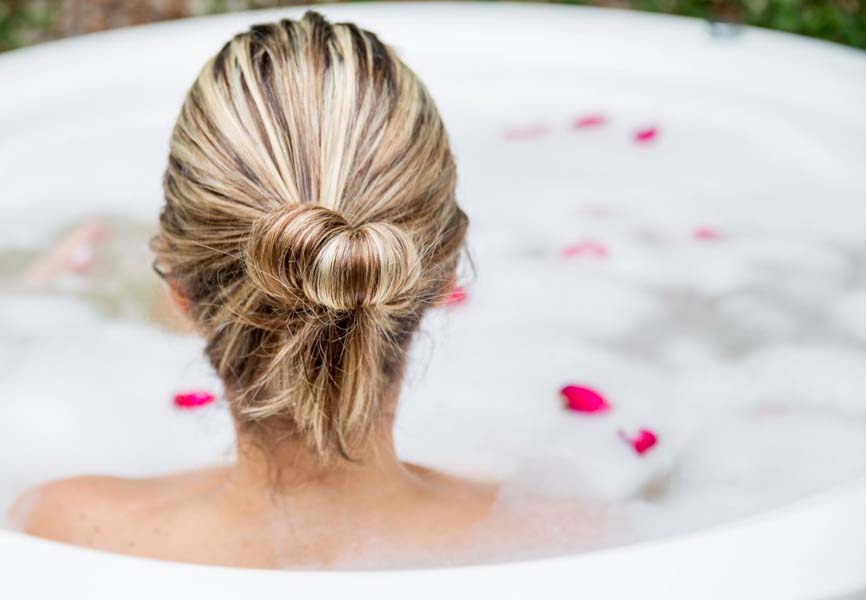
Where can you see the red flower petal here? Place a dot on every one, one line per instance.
(457, 296)
(642, 441)
(528, 132)
(583, 399)
(588, 248)
(587, 121)
(706, 233)
(193, 399)
(646, 135)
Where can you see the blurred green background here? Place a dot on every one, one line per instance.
(24, 22)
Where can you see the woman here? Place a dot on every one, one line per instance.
(309, 222)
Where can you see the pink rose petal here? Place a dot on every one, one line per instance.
(642, 441)
(587, 121)
(527, 132)
(456, 297)
(193, 399)
(645, 135)
(706, 234)
(588, 249)
(583, 399)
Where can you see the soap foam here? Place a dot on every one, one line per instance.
(745, 352)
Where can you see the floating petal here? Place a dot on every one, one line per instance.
(583, 399)
(588, 248)
(646, 135)
(193, 399)
(587, 121)
(706, 233)
(457, 296)
(642, 441)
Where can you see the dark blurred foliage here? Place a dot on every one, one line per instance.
(842, 21)
(25, 22)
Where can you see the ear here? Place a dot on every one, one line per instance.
(178, 298)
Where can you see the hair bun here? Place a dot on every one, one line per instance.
(309, 254)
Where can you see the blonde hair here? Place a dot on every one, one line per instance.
(309, 220)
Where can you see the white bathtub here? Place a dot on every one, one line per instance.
(93, 87)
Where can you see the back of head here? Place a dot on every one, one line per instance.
(309, 220)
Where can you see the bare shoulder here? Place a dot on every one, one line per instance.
(87, 510)
(69, 510)
(454, 483)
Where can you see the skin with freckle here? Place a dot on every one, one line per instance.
(210, 517)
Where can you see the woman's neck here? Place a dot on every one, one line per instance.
(284, 464)
(281, 465)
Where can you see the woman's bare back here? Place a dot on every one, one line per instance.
(200, 517)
